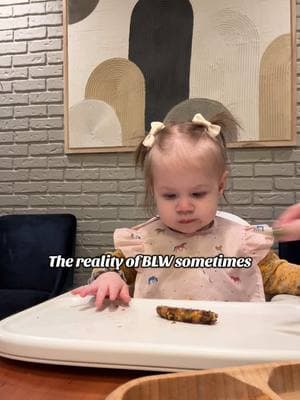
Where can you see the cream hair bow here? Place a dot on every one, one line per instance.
(213, 130)
(150, 138)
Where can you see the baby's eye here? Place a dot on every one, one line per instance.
(198, 194)
(169, 196)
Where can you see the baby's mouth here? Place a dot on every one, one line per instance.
(186, 221)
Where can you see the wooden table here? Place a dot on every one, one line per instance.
(30, 381)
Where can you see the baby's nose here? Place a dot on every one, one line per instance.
(184, 205)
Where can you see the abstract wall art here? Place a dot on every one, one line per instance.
(130, 62)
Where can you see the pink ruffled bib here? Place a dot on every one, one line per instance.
(226, 238)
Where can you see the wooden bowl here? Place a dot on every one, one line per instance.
(272, 381)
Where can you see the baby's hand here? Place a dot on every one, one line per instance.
(109, 284)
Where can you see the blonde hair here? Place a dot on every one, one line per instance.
(191, 131)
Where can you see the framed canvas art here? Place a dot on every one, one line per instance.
(130, 62)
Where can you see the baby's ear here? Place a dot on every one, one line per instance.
(222, 182)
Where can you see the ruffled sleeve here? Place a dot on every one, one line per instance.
(257, 241)
(129, 241)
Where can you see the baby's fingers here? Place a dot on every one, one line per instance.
(114, 290)
(78, 290)
(124, 294)
(84, 290)
(100, 296)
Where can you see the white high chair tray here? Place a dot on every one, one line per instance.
(68, 330)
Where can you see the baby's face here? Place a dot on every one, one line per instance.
(187, 198)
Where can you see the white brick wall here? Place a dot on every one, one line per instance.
(104, 191)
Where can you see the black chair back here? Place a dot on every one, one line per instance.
(290, 251)
(26, 243)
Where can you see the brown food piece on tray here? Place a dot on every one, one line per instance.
(190, 315)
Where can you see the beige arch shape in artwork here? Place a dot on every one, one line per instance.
(121, 84)
(275, 91)
(93, 123)
(226, 67)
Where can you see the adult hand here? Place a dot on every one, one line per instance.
(289, 224)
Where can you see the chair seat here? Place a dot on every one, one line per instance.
(16, 300)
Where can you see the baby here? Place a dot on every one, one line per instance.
(185, 169)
